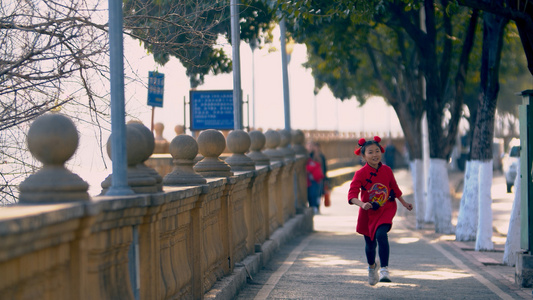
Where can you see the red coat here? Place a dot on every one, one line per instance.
(314, 171)
(374, 185)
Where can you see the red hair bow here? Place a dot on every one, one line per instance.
(362, 142)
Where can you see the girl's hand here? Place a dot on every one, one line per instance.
(408, 205)
(366, 206)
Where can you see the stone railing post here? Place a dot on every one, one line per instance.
(287, 176)
(258, 141)
(214, 208)
(170, 232)
(140, 181)
(275, 208)
(260, 207)
(273, 139)
(183, 149)
(161, 145)
(151, 263)
(285, 144)
(211, 144)
(111, 250)
(214, 229)
(240, 196)
(239, 208)
(148, 149)
(298, 141)
(53, 139)
(260, 191)
(239, 143)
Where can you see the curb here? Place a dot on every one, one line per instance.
(229, 286)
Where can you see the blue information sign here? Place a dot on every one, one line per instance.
(212, 110)
(156, 83)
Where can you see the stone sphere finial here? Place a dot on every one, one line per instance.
(136, 149)
(273, 139)
(211, 143)
(159, 127)
(148, 146)
(285, 136)
(179, 129)
(298, 141)
(239, 143)
(258, 141)
(134, 145)
(161, 144)
(53, 139)
(183, 149)
(148, 149)
(285, 144)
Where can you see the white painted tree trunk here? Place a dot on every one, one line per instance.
(429, 216)
(468, 211)
(512, 243)
(484, 228)
(439, 194)
(419, 189)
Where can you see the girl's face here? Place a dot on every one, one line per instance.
(372, 155)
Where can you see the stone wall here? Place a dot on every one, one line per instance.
(169, 239)
(168, 245)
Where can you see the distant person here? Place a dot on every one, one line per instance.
(315, 176)
(317, 151)
(376, 186)
(390, 155)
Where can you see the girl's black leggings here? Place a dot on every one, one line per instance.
(382, 240)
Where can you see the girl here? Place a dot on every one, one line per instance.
(378, 189)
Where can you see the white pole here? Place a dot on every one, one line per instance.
(316, 112)
(235, 45)
(253, 46)
(119, 177)
(285, 74)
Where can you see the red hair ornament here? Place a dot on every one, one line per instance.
(362, 142)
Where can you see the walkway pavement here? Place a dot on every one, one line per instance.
(330, 263)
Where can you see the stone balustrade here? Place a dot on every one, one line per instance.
(172, 239)
(337, 147)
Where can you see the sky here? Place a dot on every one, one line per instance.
(322, 112)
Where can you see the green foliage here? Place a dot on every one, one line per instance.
(190, 31)
(339, 42)
(514, 75)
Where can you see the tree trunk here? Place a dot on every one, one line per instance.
(484, 231)
(417, 173)
(493, 28)
(439, 95)
(512, 243)
(468, 211)
(411, 126)
(440, 195)
(519, 11)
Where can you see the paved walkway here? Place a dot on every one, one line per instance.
(330, 263)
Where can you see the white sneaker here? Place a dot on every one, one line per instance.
(373, 275)
(384, 275)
